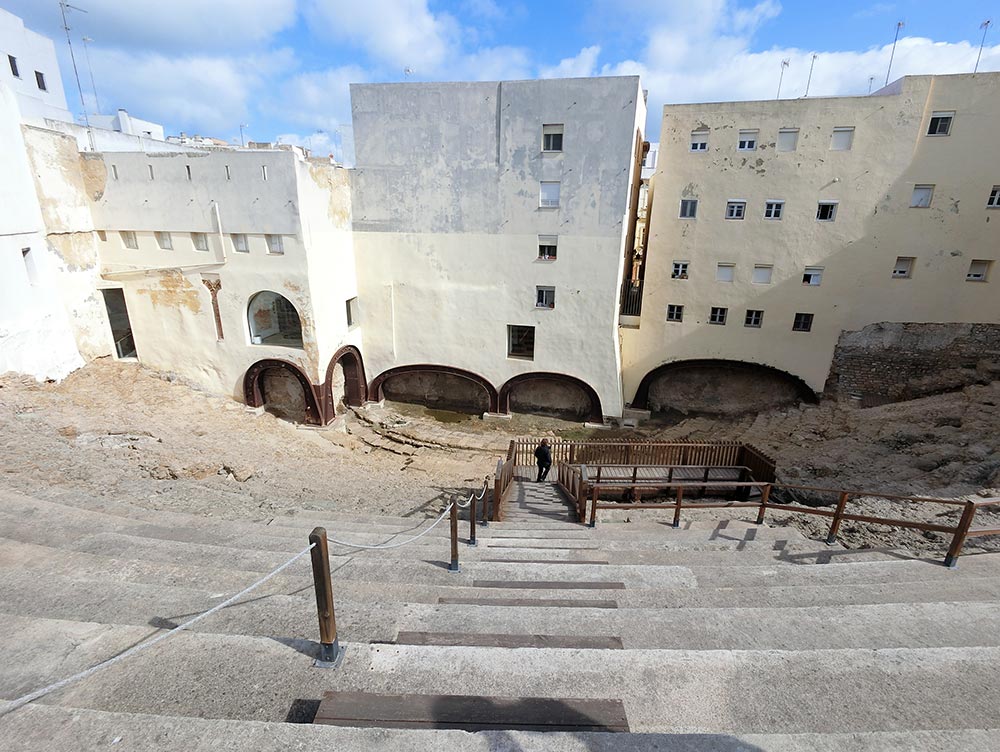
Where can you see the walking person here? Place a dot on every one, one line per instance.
(543, 455)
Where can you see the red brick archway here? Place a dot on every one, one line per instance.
(253, 392)
(375, 390)
(355, 383)
(596, 411)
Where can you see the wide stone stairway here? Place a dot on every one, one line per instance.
(719, 635)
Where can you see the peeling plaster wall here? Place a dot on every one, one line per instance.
(874, 224)
(447, 218)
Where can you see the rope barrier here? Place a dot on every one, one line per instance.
(31, 697)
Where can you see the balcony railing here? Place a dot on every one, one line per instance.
(631, 303)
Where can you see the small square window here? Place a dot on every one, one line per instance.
(275, 244)
(520, 342)
(13, 66)
(102, 236)
(129, 239)
(842, 139)
(689, 208)
(545, 297)
(762, 274)
(774, 209)
(229, 175)
(187, 169)
(552, 137)
(40, 80)
(725, 272)
(788, 139)
(29, 265)
(548, 194)
(114, 172)
(753, 319)
(150, 168)
(903, 268)
(240, 242)
(736, 209)
(748, 140)
(826, 211)
(940, 124)
(164, 240)
(812, 276)
(922, 195)
(547, 247)
(993, 202)
(979, 271)
(675, 313)
(803, 322)
(718, 316)
(699, 140)
(200, 241)
(680, 270)
(263, 172)
(353, 312)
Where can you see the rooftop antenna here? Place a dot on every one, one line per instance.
(64, 6)
(243, 142)
(985, 26)
(811, 66)
(871, 82)
(899, 25)
(407, 71)
(86, 52)
(784, 64)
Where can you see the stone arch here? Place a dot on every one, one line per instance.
(254, 393)
(355, 383)
(375, 390)
(721, 386)
(592, 411)
(273, 320)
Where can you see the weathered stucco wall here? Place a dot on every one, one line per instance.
(437, 390)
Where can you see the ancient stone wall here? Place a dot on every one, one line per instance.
(437, 390)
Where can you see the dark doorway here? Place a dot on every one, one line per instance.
(121, 327)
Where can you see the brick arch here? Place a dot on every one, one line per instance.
(355, 383)
(596, 411)
(375, 389)
(253, 394)
(641, 399)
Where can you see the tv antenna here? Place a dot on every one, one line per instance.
(811, 66)
(86, 52)
(784, 64)
(407, 71)
(871, 82)
(899, 25)
(985, 26)
(63, 7)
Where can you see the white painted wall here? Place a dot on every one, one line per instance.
(33, 52)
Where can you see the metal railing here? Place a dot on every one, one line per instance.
(631, 302)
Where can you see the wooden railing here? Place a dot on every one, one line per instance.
(501, 482)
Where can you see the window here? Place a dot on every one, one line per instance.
(812, 276)
(229, 175)
(903, 268)
(128, 238)
(748, 140)
(547, 247)
(353, 312)
(993, 202)
(921, 198)
(725, 272)
(826, 211)
(680, 270)
(187, 169)
(552, 137)
(273, 320)
(114, 172)
(13, 66)
(718, 316)
(753, 319)
(164, 240)
(940, 124)
(803, 322)
(40, 80)
(29, 266)
(548, 195)
(102, 236)
(263, 171)
(675, 313)
(842, 139)
(240, 242)
(150, 167)
(699, 140)
(520, 342)
(978, 271)
(689, 208)
(773, 209)
(200, 241)
(761, 274)
(788, 139)
(736, 209)
(275, 244)
(545, 297)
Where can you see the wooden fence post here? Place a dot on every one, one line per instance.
(838, 515)
(472, 518)
(453, 566)
(764, 496)
(951, 560)
(330, 652)
(593, 506)
(677, 506)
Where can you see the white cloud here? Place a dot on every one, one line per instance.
(493, 64)
(317, 99)
(579, 66)
(338, 144)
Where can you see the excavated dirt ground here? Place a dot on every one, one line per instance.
(119, 431)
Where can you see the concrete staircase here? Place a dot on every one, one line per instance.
(715, 636)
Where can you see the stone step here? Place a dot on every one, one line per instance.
(42, 726)
(664, 691)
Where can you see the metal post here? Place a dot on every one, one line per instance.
(472, 520)
(951, 560)
(838, 515)
(453, 566)
(330, 651)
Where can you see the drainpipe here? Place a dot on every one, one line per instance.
(218, 224)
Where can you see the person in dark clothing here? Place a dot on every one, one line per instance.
(543, 455)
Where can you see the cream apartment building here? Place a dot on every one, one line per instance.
(776, 226)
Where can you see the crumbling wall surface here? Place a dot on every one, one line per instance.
(719, 390)
(283, 395)
(550, 397)
(893, 361)
(437, 390)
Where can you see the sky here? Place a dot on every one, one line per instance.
(283, 67)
